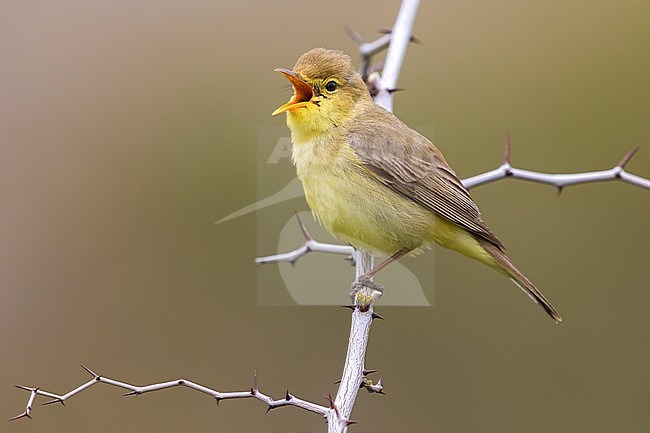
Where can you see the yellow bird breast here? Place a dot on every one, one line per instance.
(352, 204)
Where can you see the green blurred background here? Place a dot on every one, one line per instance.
(129, 128)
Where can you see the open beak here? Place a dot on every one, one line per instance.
(302, 92)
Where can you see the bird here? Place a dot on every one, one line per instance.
(374, 182)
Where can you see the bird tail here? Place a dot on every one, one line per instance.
(505, 266)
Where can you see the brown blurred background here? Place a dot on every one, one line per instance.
(128, 128)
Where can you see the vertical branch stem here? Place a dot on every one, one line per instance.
(353, 370)
(400, 38)
(361, 321)
(364, 262)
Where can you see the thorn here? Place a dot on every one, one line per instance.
(22, 415)
(367, 372)
(268, 409)
(26, 388)
(128, 394)
(560, 188)
(354, 35)
(376, 67)
(254, 388)
(287, 396)
(349, 422)
(305, 233)
(628, 156)
(332, 405)
(218, 399)
(396, 89)
(377, 316)
(351, 307)
(337, 382)
(413, 38)
(56, 400)
(92, 373)
(506, 156)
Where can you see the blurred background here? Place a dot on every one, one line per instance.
(128, 128)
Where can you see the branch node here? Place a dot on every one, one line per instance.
(333, 405)
(506, 168)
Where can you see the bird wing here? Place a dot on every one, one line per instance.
(411, 165)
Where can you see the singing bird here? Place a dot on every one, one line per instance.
(376, 183)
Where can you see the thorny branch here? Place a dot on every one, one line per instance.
(254, 392)
(558, 180)
(310, 245)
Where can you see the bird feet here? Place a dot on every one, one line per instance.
(366, 282)
(364, 292)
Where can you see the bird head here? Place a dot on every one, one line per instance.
(326, 90)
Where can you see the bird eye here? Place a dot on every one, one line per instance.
(331, 86)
